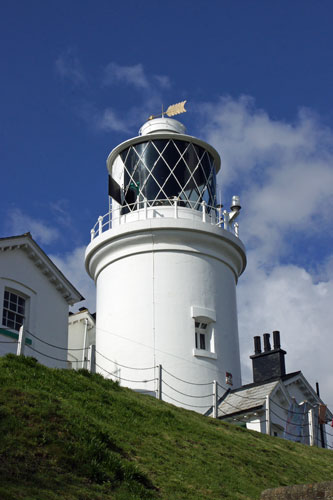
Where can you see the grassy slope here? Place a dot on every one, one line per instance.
(72, 435)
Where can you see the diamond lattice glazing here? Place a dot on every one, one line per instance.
(160, 169)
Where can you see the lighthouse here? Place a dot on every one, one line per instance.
(166, 260)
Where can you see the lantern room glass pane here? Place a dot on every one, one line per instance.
(161, 169)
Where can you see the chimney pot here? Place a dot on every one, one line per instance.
(267, 345)
(276, 339)
(257, 345)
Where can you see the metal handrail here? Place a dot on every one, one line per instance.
(210, 214)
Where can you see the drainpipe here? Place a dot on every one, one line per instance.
(84, 341)
(320, 425)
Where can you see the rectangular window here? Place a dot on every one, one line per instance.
(200, 335)
(13, 310)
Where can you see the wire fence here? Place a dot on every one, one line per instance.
(257, 410)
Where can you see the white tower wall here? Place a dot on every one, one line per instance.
(153, 279)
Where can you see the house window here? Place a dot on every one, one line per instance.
(201, 340)
(13, 310)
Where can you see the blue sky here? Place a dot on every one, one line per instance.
(79, 77)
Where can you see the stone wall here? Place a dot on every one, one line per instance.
(316, 491)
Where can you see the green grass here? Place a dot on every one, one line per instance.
(75, 436)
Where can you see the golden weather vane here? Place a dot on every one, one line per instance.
(174, 109)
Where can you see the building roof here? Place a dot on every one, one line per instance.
(26, 243)
(246, 398)
(252, 397)
(82, 314)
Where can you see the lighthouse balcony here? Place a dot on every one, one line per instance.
(174, 208)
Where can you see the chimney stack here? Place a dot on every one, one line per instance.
(257, 345)
(267, 345)
(270, 363)
(276, 339)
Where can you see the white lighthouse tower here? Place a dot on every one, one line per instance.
(166, 260)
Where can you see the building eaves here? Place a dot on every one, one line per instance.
(44, 263)
(240, 412)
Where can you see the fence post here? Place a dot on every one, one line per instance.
(268, 416)
(311, 427)
(21, 341)
(215, 398)
(159, 388)
(92, 358)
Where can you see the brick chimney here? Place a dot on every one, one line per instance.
(270, 363)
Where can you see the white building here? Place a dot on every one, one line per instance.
(33, 291)
(277, 403)
(166, 260)
(81, 335)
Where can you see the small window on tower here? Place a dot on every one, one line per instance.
(201, 342)
(204, 323)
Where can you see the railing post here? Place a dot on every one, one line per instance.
(225, 219)
(100, 220)
(159, 387)
(21, 341)
(92, 234)
(203, 211)
(219, 212)
(215, 398)
(175, 204)
(236, 226)
(92, 358)
(145, 206)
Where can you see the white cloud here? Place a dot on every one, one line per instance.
(72, 266)
(19, 223)
(150, 88)
(108, 120)
(132, 75)
(163, 80)
(61, 211)
(284, 174)
(68, 67)
(282, 170)
(287, 299)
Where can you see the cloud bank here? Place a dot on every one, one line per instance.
(283, 172)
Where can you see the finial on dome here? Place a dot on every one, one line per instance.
(157, 125)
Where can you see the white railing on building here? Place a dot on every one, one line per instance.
(166, 208)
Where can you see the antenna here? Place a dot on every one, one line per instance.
(173, 109)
